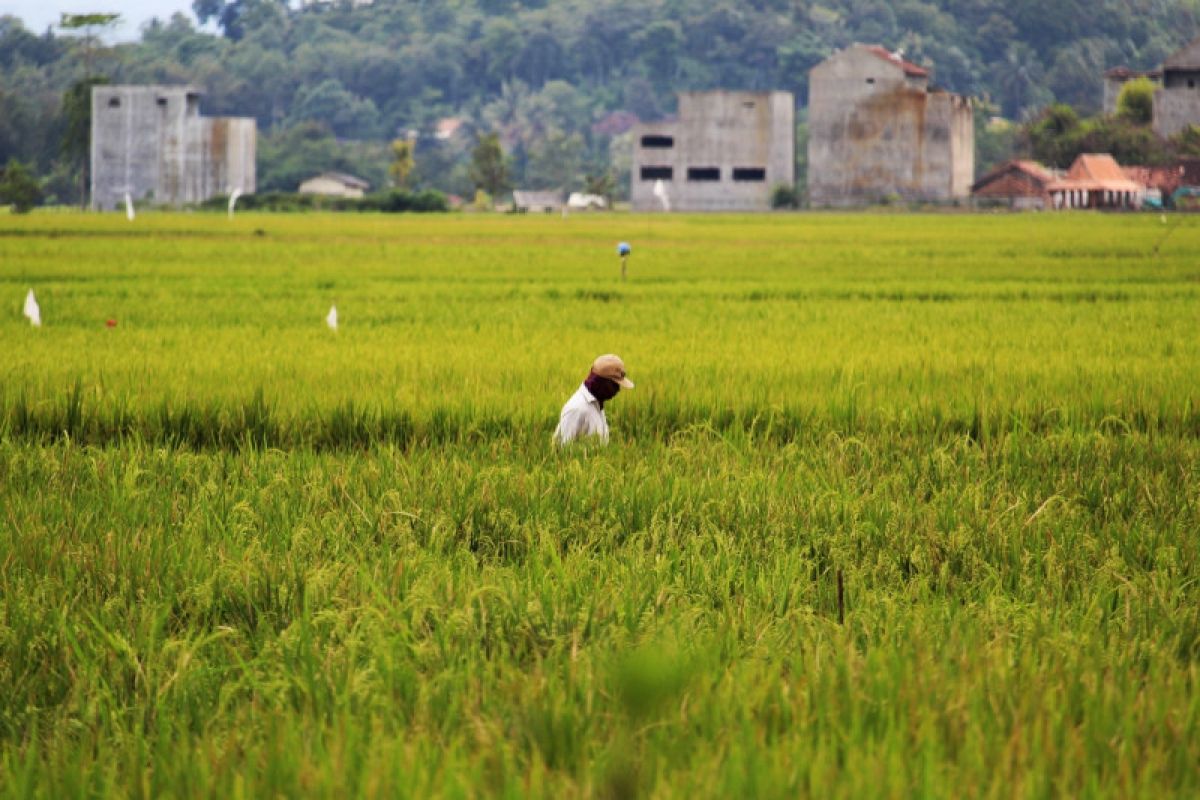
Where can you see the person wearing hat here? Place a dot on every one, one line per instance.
(583, 415)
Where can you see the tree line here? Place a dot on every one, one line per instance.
(558, 81)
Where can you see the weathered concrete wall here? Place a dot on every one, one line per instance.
(126, 143)
(726, 152)
(228, 156)
(876, 132)
(962, 146)
(152, 142)
(1175, 109)
(1112, 91)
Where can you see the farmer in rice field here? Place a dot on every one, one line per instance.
(583, 415)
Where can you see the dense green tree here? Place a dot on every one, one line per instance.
(1135, 103)
(15, 121)
(18, 45)
(602, 185)
(19, 188)
(1187, 142)
(1059, 136)
(402, 162)
(1054, 137)
(1073, 74)
(287, 158)
(525, 69)
(90, 24)
(489, 166)
(345, 114)
(556, 162)
(239, 16)
(996, 139)
(76, 143)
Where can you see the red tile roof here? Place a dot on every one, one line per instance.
(1030, 168)
(909, 68)
(1097, 172)
(1125, 74)
(1096, 167)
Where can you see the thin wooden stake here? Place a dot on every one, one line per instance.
(841, 600)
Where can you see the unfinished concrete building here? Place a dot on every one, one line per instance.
(152, 143)
(1115, 80)
(878, 132)
(1177, 100)
(726, 151)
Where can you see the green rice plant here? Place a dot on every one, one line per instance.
(900, 506)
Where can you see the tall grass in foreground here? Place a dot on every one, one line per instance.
(500, 619)
(243, 556)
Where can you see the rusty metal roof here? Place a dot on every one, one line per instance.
(909, 68)
(1125, 73)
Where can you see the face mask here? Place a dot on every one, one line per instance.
(601, 388)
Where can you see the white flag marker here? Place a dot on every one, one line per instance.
(129, 214)
(660, 191)
(331, 318)
(233, 198)
(33, 311)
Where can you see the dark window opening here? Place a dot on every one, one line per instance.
(749, 104)
(657, 173)
(657, 142)
(114, 102)
(1191, 84)
(749, 174)
(704, 173)
(162, 101)
(871, 81)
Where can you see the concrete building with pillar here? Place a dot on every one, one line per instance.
(879, 132)
(1176, 90)
(726, 151)
(1177, 100)
(152, 143)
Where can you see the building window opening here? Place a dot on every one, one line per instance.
(657, 173)
(114, 102)
(1192, 84)
(657, 142)
(704, 173)
(751, 174)
(162, 102)
(871, 81)
(748, 105)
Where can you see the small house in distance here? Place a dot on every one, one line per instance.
(581, 201)
(1020, 185)
(1096, 180)
(525, 201)
(726, 151)
(335, 184)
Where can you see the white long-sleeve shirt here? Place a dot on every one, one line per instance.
(581, 416)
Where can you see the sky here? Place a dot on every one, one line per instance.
(37, 14)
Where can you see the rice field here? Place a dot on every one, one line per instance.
(902, 505)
